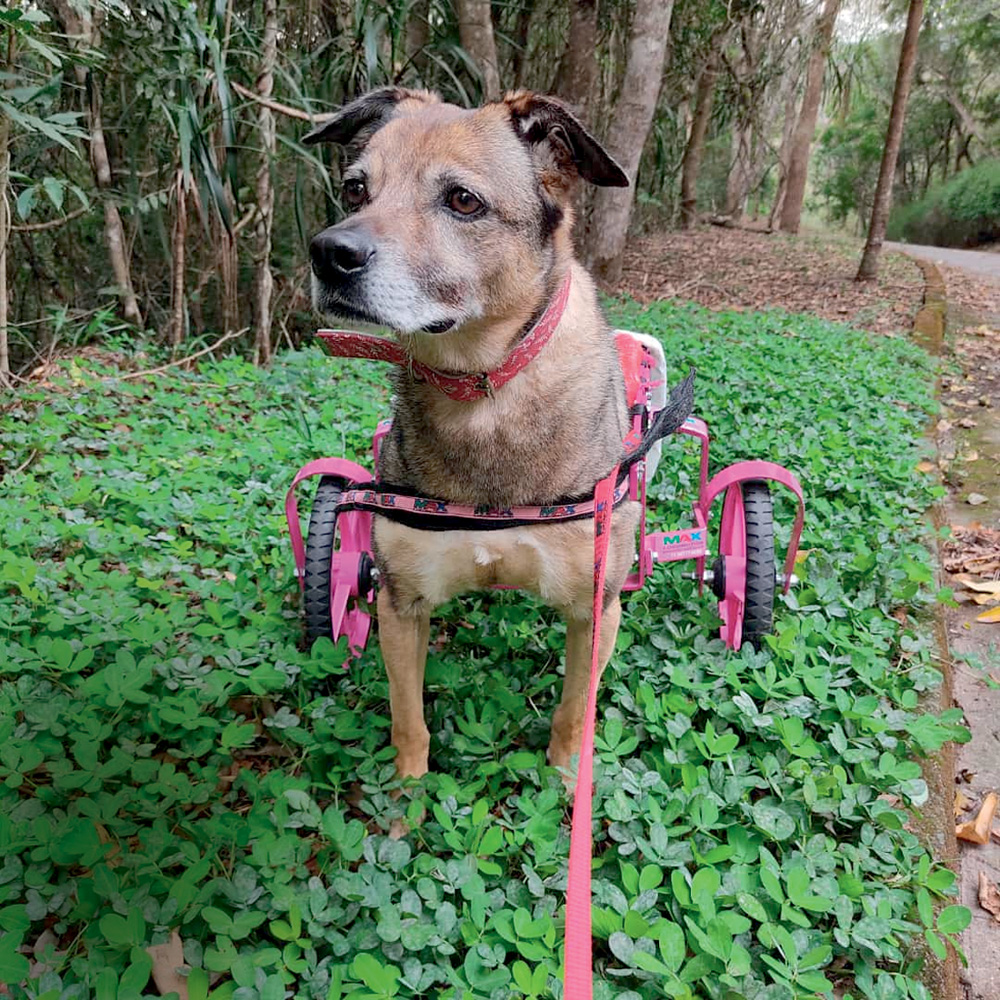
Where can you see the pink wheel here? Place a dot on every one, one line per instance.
(338, 569)
(744, 571)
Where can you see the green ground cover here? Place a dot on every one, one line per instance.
(171, 760)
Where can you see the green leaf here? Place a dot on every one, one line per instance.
(751, 906)
(954, 919)
(673, 947)
(772, 820)
(26, 201)
(56, 190)
(14, 967)
(936, 945)
(116, 930)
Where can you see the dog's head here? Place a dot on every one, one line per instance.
(456, 215)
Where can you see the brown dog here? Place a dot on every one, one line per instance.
(458, 239)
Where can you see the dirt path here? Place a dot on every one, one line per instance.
(969, 459)
(973, 262)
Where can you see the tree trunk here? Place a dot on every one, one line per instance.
(177, 250)
(946, 159)
(784, 154)
(263, 284)
(968, 123)
(868, 271)
(417, 36)
(630, 123)
(798, 163)
(691, 164)
(475, 32)
(738, 181)
(577, 71)
(519, 43)
(87, 32)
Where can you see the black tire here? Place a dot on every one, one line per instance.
(320, 542)
(758, 609)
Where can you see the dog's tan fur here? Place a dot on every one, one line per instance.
(548, 434)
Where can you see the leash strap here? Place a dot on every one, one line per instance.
(462, 387)
(578, 976)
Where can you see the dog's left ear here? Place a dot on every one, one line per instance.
(367, 114)
(539, 119)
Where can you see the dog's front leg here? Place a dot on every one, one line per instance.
(567, 722)
(403, 639)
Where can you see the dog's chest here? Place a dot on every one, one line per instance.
(523, 449)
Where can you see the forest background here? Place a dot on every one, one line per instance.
(156, 183)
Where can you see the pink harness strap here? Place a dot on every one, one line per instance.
(457, 386)
(578, 975)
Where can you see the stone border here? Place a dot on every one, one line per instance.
(936, 826)
(929, 323)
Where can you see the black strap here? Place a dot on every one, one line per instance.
(679, 407)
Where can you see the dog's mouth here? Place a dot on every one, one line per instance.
(339, 307)
(347, 311)
(441, 326)
(353, 303)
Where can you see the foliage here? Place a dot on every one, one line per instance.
(849, 155)
(171, 759)
(965, 210)
(29, 103)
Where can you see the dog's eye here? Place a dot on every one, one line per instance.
(355, 192)
(463, 202)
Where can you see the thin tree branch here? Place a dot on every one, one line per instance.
(38, 227)
(282, 109)
(184, 360)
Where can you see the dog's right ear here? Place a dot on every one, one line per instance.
(363, 117)
(573, 151)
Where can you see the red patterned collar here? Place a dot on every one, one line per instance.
(476, 385)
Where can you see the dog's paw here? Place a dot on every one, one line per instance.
(402, 825)
(565, 763)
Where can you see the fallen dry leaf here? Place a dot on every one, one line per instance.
(989, 898)
(976, 499)
(977, 831)
(980, 586)
(167, 959)
(986, 598)
(926, 466)
(991, 617)
(962, 803)
(967, 422)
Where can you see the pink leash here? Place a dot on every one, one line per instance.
(578, 976)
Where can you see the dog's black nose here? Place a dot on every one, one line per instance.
(337, 252)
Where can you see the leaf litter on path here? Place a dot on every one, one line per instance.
(977, 831)
(989, 898)
(739, 269)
